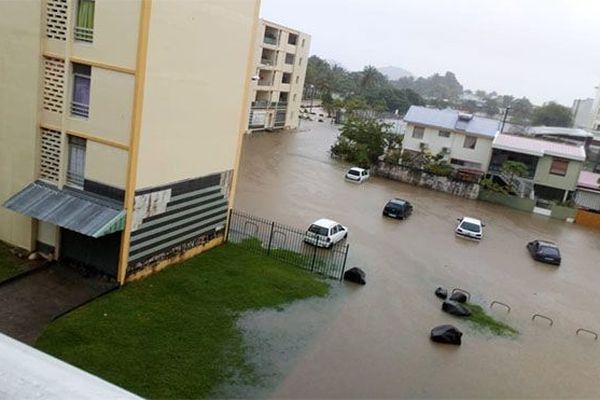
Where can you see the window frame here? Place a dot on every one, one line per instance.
(468, 138)
(422, 134)
(444, 131)
(77, 152)
(559, 171)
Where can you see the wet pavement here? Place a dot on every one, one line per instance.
(374, 342)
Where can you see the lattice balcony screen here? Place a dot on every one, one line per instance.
(56, 19)
(50, 151)
(54, 84)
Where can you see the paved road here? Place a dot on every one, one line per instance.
(28, 303)
(377, 345)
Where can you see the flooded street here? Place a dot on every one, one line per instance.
(375, 341)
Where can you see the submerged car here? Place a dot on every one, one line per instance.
(356, 174)
(325, 233)
(397, 208)
(544, 251)
(468, 227)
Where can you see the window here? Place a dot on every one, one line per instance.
(444, 134)
(297, 79)
(286, 77)
(470, 142)
(300, 61)
(293, 39)
(289, 58)
(84, 23)
(303, 41)
(80, 102)
(294, 97)
(76, 167)
(559, 167)
(418, 132)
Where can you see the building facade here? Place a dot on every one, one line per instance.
(464, 140)
(119, 140)
(582, 113)
(280, 60)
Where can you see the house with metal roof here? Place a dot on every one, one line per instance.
(553, 167)
(465, 140)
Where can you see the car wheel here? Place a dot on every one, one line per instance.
(346, 235)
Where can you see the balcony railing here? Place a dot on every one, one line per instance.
(265, 82)
(267, 61)
(266, 104)
(75, 178)
(80, 109)
(84, 34)
(270, 40)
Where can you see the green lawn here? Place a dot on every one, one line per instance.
(173, 334)
(11, 265)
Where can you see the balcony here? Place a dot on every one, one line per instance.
(270, 40)
(84, 34)
(80, 109)
(267, 61)
(265, 82)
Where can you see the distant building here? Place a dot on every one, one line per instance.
(595, 117)
(582, 113)
(121, 127)
(280, 60)
(464, 140)
(552, 167)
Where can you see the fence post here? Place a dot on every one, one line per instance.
(312, 267)
(344, 264)
(228, 225)
(270, 238)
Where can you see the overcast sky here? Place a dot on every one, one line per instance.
(542, 49)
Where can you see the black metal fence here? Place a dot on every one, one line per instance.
(286, 244)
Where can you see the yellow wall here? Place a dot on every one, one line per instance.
(19, 84)
(111, 102)
(195, 81)
(115, 33)
(105, 164)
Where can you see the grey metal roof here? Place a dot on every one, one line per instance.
(449, 119)
(69, 208)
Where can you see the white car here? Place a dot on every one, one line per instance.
(470, 228)
(325, 233)
(356, 174)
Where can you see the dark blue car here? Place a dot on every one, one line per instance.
(544, 251)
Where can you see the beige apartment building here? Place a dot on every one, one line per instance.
(280, 59)
(120, 126)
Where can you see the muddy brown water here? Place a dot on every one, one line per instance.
(373, 341)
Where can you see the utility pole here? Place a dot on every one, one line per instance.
(506, 110)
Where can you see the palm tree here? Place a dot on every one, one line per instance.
(370, 77)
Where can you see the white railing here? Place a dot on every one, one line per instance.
(80, 109)
(84, 34)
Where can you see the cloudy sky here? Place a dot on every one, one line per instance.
(542, 49)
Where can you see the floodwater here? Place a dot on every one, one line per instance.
(373, 341)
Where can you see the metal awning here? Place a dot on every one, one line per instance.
(71, 209)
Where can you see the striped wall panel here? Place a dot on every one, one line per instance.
(196, 212)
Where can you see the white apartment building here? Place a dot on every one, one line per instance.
(280, 59)
(465, 140)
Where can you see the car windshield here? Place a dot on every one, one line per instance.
(398, 202)
(469, 226)
(549, 251)
(353, 172)
(319, 230)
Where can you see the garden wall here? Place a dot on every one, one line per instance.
(523, 204)
(560, 212)
(416, 177)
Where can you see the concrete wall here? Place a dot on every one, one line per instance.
(20, 24)
(194, 97)
(481, 154)
(430, 181)
(567, 182)
(515, 202)
(105, 164)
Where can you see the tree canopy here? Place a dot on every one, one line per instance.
(552, 114)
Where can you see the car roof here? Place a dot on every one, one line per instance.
(471, 220)
(547, 243)
(398, 201)
(327, 223)
(357, 169)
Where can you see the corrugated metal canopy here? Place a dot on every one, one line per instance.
(69, 208)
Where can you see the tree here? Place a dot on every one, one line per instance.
(363, 140)
(490, 107)
(521, 110)
(328, 103)
(552, 114)
(371, 77)
(514, 169)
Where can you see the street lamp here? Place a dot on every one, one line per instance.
(312, 95)
(506, 110)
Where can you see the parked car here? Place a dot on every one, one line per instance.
(325, 233)
(468, 227)
(356, 174)
(397, 208)
(544, 251)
